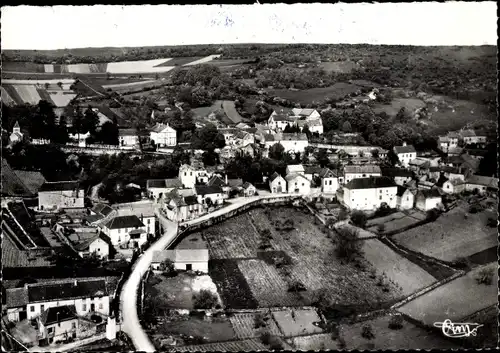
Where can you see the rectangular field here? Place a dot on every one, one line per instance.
(231, 112)
(454, 300)
(28, 93)
(250, 345)
(217, 329)
(180, 61)
(451, 236)
(244, 326)
(297, 322)
(396, 221)
(6, 99)
(309, 96)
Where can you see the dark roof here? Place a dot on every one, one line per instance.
(404, 149)
(401, 190)
(208, 189)
(445, 169)
(483, 180)
(370, 183)
(58, 314)
(127, 132)
(163, 183)
(312, 169)
(216, 181)
(234, 182)
(429, 193)
(16, 297)
(327, 173)
(59, 186)
(247, 185)
(396, 172)
(66, 290)
(102, 209)
(191, 200)
(84, 245)
(121, 222)
(12, 185)
(472, 152)
(274, 176)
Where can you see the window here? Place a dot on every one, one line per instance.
(380, 197)
(302, 184)
(190, 173)
(101, 306)
(119, 230)
(84, 307)
(59, 324)
(73, 325)
(185, 173)
(42, 307)
(407, 198)
(149, 221)
(50, 329)
(380, 191)
(98, 249)
(32, 309)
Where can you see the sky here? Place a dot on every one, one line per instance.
(425, 23)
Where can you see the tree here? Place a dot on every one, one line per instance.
(359, 219)
(375, 153)
(108, 134)
(346, 126)
(205, 299)
(392, 158)
(402, 116)
(276, 151)
(348, 246)
(90, 120)
(210, 158)
(207, 138)
(60, 84)
(167, 266)
(305, 130)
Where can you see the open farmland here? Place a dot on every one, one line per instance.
(6, 98)
(250, 345)
(180, 61)
(292, 322)
(134, 86)
(317, 95)
(454, 300)
(396, 221)
(339, 66)
(408, 337)
(410, 105)
(203, 60)
(451, 236)
(244, 325)
(57, 92)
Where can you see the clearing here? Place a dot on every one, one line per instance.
(451, 236)
(339, 66)
(293, 322)
(410, 105)
(454, 300)
(395, 221)
(316, 95)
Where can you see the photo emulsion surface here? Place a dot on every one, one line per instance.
(261, 177)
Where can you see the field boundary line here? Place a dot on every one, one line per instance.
(466, 318)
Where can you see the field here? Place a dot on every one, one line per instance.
(320, 341)
(231, 112)
(134, 86)
(32, 91)
(244, 326)
(6, 98)
(247, 277)
(250, 345)
(339, 66)
(451, 236)
(395, 221)
(310, 96)
(408, 337)
(293, 322)
(454, 300)
(398, 269)
(410, 105)
(213, 330)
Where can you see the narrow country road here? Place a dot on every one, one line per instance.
(128, 297)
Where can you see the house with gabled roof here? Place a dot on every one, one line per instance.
(399, 175)
(427, 199)
(329, 181)
(405, 153)
(277, 184)
(291, 142)
(405, 198)
(16, 135)
(481, 184)
(210, 194)
(360, 171)
(295, 168)
(249, 189)
(279, 122)
(370, 193)
(144, 210)
(124, 229)
(450, 186)
(53, 196)
(181, 208)
(190, 176)
(191, 254)
(307, 113)
(128, 138)
(157, 188)
(298, 183)
(163, 135)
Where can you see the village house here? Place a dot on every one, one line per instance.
(16, 135)
(290, 142)
(453, 186)
(93, 246)
(53, 196)
(405, 153)
(298, 183)
(163, 135)
(80, 139)
(190, 176)
(32, 300)
(405, 198)
(312, 173)
(419, 166)
(360, 171)
(277, 183)
(124, 230)
(329, 181)
(157, 188)
(249, 189)
(243, 138)
(427, 199)
(179, 208)
(314, 126)
(210, 195)
(447, 171)
(98, 213)
(278, 122)
(448, 142)
(247, 150)
(128, 138)
(399, 175)
(476, 153)
(144, 210)
(470, 137)
(311, 114)
(481, 184)
(59, 324)
(295, 168)
(370, 193)
(191, 254)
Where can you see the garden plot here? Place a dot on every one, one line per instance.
(396, 221)
(398, 269)
(211, 329)
(454, 300)
(451, 236)
(28, 93)
(321, 341)
(244, 326)
(293, 322)
(250, 345)
(6, 99)
(384, 338)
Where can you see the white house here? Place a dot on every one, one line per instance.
(213, 193)
(144, 210)
(190, 176)
(16, 135)
(405, 198)
(310, 114)
(451, 186)
(481, 184)
(91, 246)
(469, 137)
(360, 171)
(243, 138)
(313, 125)
(329, 181)
(277, 183)
(298, 183)
(53, 196)
(405, 153)
(128, 138)
(191, 254)
(427, 199)
(448, 142)
(87, 295)
(179, 208)
(124, 229)
(370, 193)
(158, 188)
(278, 122)
(295, 168)
(163, 135)
(290, 142)
(249, 189)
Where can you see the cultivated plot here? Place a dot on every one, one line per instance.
(244, 326)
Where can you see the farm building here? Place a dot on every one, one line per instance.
(163, 135)
(360, 171)
(298, 183)
(405, 198)
(329, 181)
(278, 122)
(210, 194)
(405, 153)
(427, 199)
(400, 176)
(314, 126)
(481, 184)
(179, 208)
(290, 142)
(453, 186)
(53, 196)
(370, 193)
(249, 189)
(190, 176)
(128, 137)
(191, 254)
(94, 245)
(125, 229)
(157, 188)
(277, 183)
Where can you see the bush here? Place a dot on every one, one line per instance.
(259, 321)
(492, 222)
(463, 263)
(204, 300)
(475, 208)
(265, 337)
(275, 344)
(358, 218)
(367, 332)
(432, 214)
(396, 322)
(348, 246)
(383, 210)
(381, 228)
(296, 286)
(343, 215)
(485, 276)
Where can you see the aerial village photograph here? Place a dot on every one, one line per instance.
(249, 177)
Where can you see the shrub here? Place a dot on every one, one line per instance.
(396, 322)
(265, 337)
(259, 321)
(432, 214)
(204, 300)
(381, 228)
(359, 219)
(296, 286)
(347, 245)
(492, 222)
(485, 276)
(275, 344)
(167, 266)
(463, 263)
(342, 343)
(343, 215)
(367, 332)
(383, 210)
(475, 208)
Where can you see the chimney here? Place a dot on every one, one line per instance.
(75, 282)
(404, 143)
